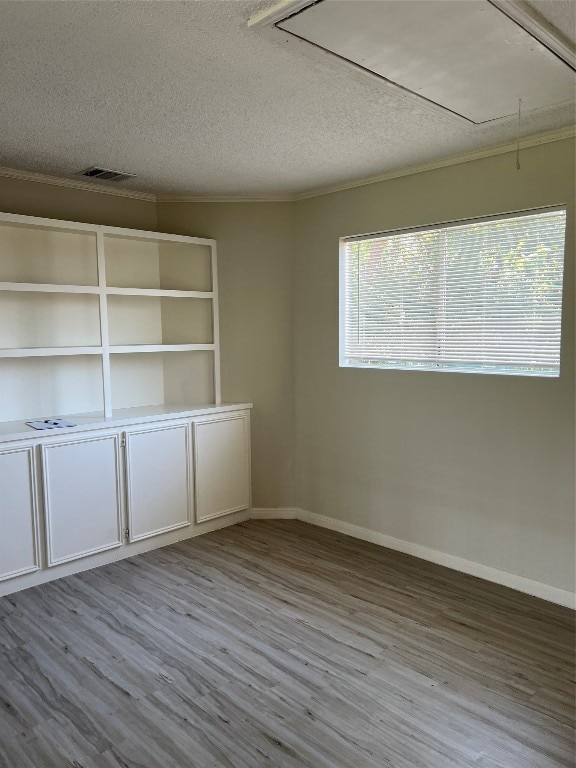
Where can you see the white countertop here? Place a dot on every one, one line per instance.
(19, 430)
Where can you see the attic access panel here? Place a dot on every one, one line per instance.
(468, 57)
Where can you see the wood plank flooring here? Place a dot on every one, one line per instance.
(278, 644)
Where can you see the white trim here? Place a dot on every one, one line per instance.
(215, 324)
(455, 222)
(202, 421)
(49, 288)
(342, 303)
(104, 333)
(488, 573)
(53, 445)
(133, 234)
(87, 186)
(119, 553)
(32, 476)
(15, 431)
(129, 349)
(150, 234)
(168, 293)
(224, 512)
(262, 198)
(49, 351)
(531, 21)
(127, 464)
(157, 532)
(273, 513)
(21, 572)
(444, 162)
(277, 12)
(42, 221)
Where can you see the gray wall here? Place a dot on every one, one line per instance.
(54, 202)
(255, 286)
(477, 466)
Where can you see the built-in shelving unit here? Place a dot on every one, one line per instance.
(116, 331)
(95, 319)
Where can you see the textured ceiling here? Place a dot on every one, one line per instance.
(561, 14)
(187, 97)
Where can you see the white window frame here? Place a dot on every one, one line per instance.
(344, 241)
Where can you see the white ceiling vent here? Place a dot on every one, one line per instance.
(106, 174)
(468, 58)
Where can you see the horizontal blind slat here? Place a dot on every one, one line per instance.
(479, 294)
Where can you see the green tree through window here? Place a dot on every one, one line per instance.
(478, 296)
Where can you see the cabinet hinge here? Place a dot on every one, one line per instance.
(123, 441)
(126, 533)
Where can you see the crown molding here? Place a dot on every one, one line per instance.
(537, 26)
(464, 157)
(87, 186)
(444, 162)
(277, 12)
(225, 199)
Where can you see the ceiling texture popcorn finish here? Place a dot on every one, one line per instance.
(194, 101)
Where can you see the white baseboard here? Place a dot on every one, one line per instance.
(505, 578)
(274, 513)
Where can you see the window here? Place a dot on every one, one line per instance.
(479, 296)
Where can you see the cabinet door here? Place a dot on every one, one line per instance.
(221, 465)
(82, 497)
(18, 513)
(158, 484)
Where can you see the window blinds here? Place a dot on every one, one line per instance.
(479, 296)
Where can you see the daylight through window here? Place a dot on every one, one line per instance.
(480, 296)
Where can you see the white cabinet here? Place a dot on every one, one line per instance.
(221, 464)
(82, 496)
(158, 480)
(18, 513)
(112, 488)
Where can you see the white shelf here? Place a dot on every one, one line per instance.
(101, 317)
(160, 292)
(34, 253)
(162, 376)
(136, 321)
(131, 348)
(49, 320)
(152, 263)
(49, 288)
(50, 351)
(43, 386)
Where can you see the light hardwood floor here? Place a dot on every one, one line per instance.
(278, 644)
